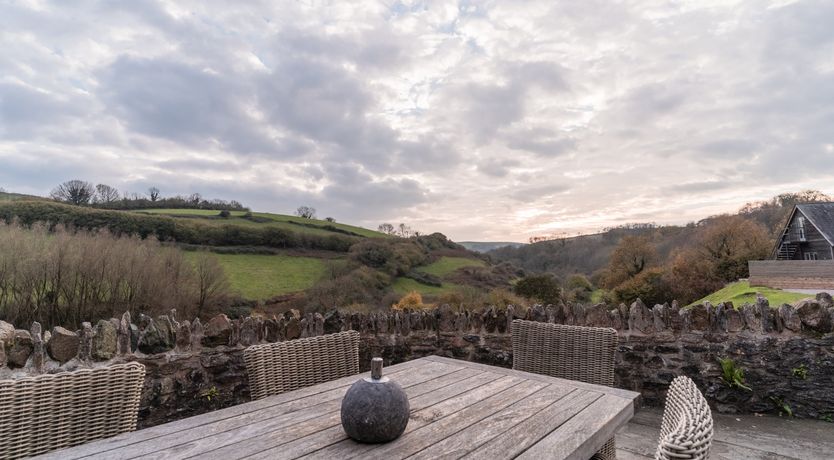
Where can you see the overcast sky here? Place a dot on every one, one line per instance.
(481, 120)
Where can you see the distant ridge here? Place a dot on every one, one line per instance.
(486, 246)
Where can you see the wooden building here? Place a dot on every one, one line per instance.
(808, 235)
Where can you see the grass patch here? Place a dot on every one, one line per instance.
(258, 276)
(741, 292)
(405, 285)
(446, 265)
(294, 223)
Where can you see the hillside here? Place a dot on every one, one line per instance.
(282, 261)
(662, 263)
(486, 246)
(586, 254)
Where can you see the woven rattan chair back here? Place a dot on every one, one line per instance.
(578, 353)
(585, 354)
(686, 430)
(48, 412)
(279, 367)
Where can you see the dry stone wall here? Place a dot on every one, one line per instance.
(786, 353)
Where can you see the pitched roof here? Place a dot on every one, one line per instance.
(822, 216)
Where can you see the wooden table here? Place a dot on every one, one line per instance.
(458, 410)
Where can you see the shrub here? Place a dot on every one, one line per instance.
(412, 301)
(578, 288)
(544, 288)
(64, 277)
(503, 298)
(224, 214)
(649, 286)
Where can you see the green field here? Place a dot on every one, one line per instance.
(295, 223)
(7, 196)
(741, 292)
(258, 277)
(446, 265)
(403, 285)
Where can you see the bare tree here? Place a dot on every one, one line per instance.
(195, 198)
(74, 191)
(404, 230)
(307, 212)
(105, 194)
(212, 283)
(153, 193)
(386, 228)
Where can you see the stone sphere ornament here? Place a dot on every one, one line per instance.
(375, 409)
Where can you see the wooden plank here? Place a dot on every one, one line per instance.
(262, 423)
(630, 395)
(466, 440)
(520, 437)
(348, 448)
(641, 441)
(416, 394)
(126, 439)
(582, 435)
(740, 435)
(439, 430)
(335, 434)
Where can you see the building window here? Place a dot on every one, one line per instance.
(810, 256)
(801, 222)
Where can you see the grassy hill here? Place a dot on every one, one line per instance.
(441, 268)
(286, 261)
(293, 223)
(7, 196)
(741, 292)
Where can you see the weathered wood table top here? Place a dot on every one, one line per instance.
(458, 410)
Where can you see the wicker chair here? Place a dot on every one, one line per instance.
(279, 367)
(48, 412)
(578, 353)
(686, 430)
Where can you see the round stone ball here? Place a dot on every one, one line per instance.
(375, 411)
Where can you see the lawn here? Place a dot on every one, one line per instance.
(257, 276)
(741, 292)
(446, 265)
(295, 223)
(405, 285)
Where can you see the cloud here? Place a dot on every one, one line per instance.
(488, 120)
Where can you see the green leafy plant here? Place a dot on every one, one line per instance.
(733, 376)
(800, 372)
(782, 405)
(827, 418)
(211, 393)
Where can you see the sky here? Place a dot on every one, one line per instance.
(489, 121)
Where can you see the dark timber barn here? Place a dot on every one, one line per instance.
(809, 234)
(803, 257)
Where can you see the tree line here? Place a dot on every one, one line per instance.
(165, 228)
(64, 277)
(664, 263)
(82, 193)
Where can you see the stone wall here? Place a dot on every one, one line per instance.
(787, 353)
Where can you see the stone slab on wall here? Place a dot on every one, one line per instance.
(792, 274)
